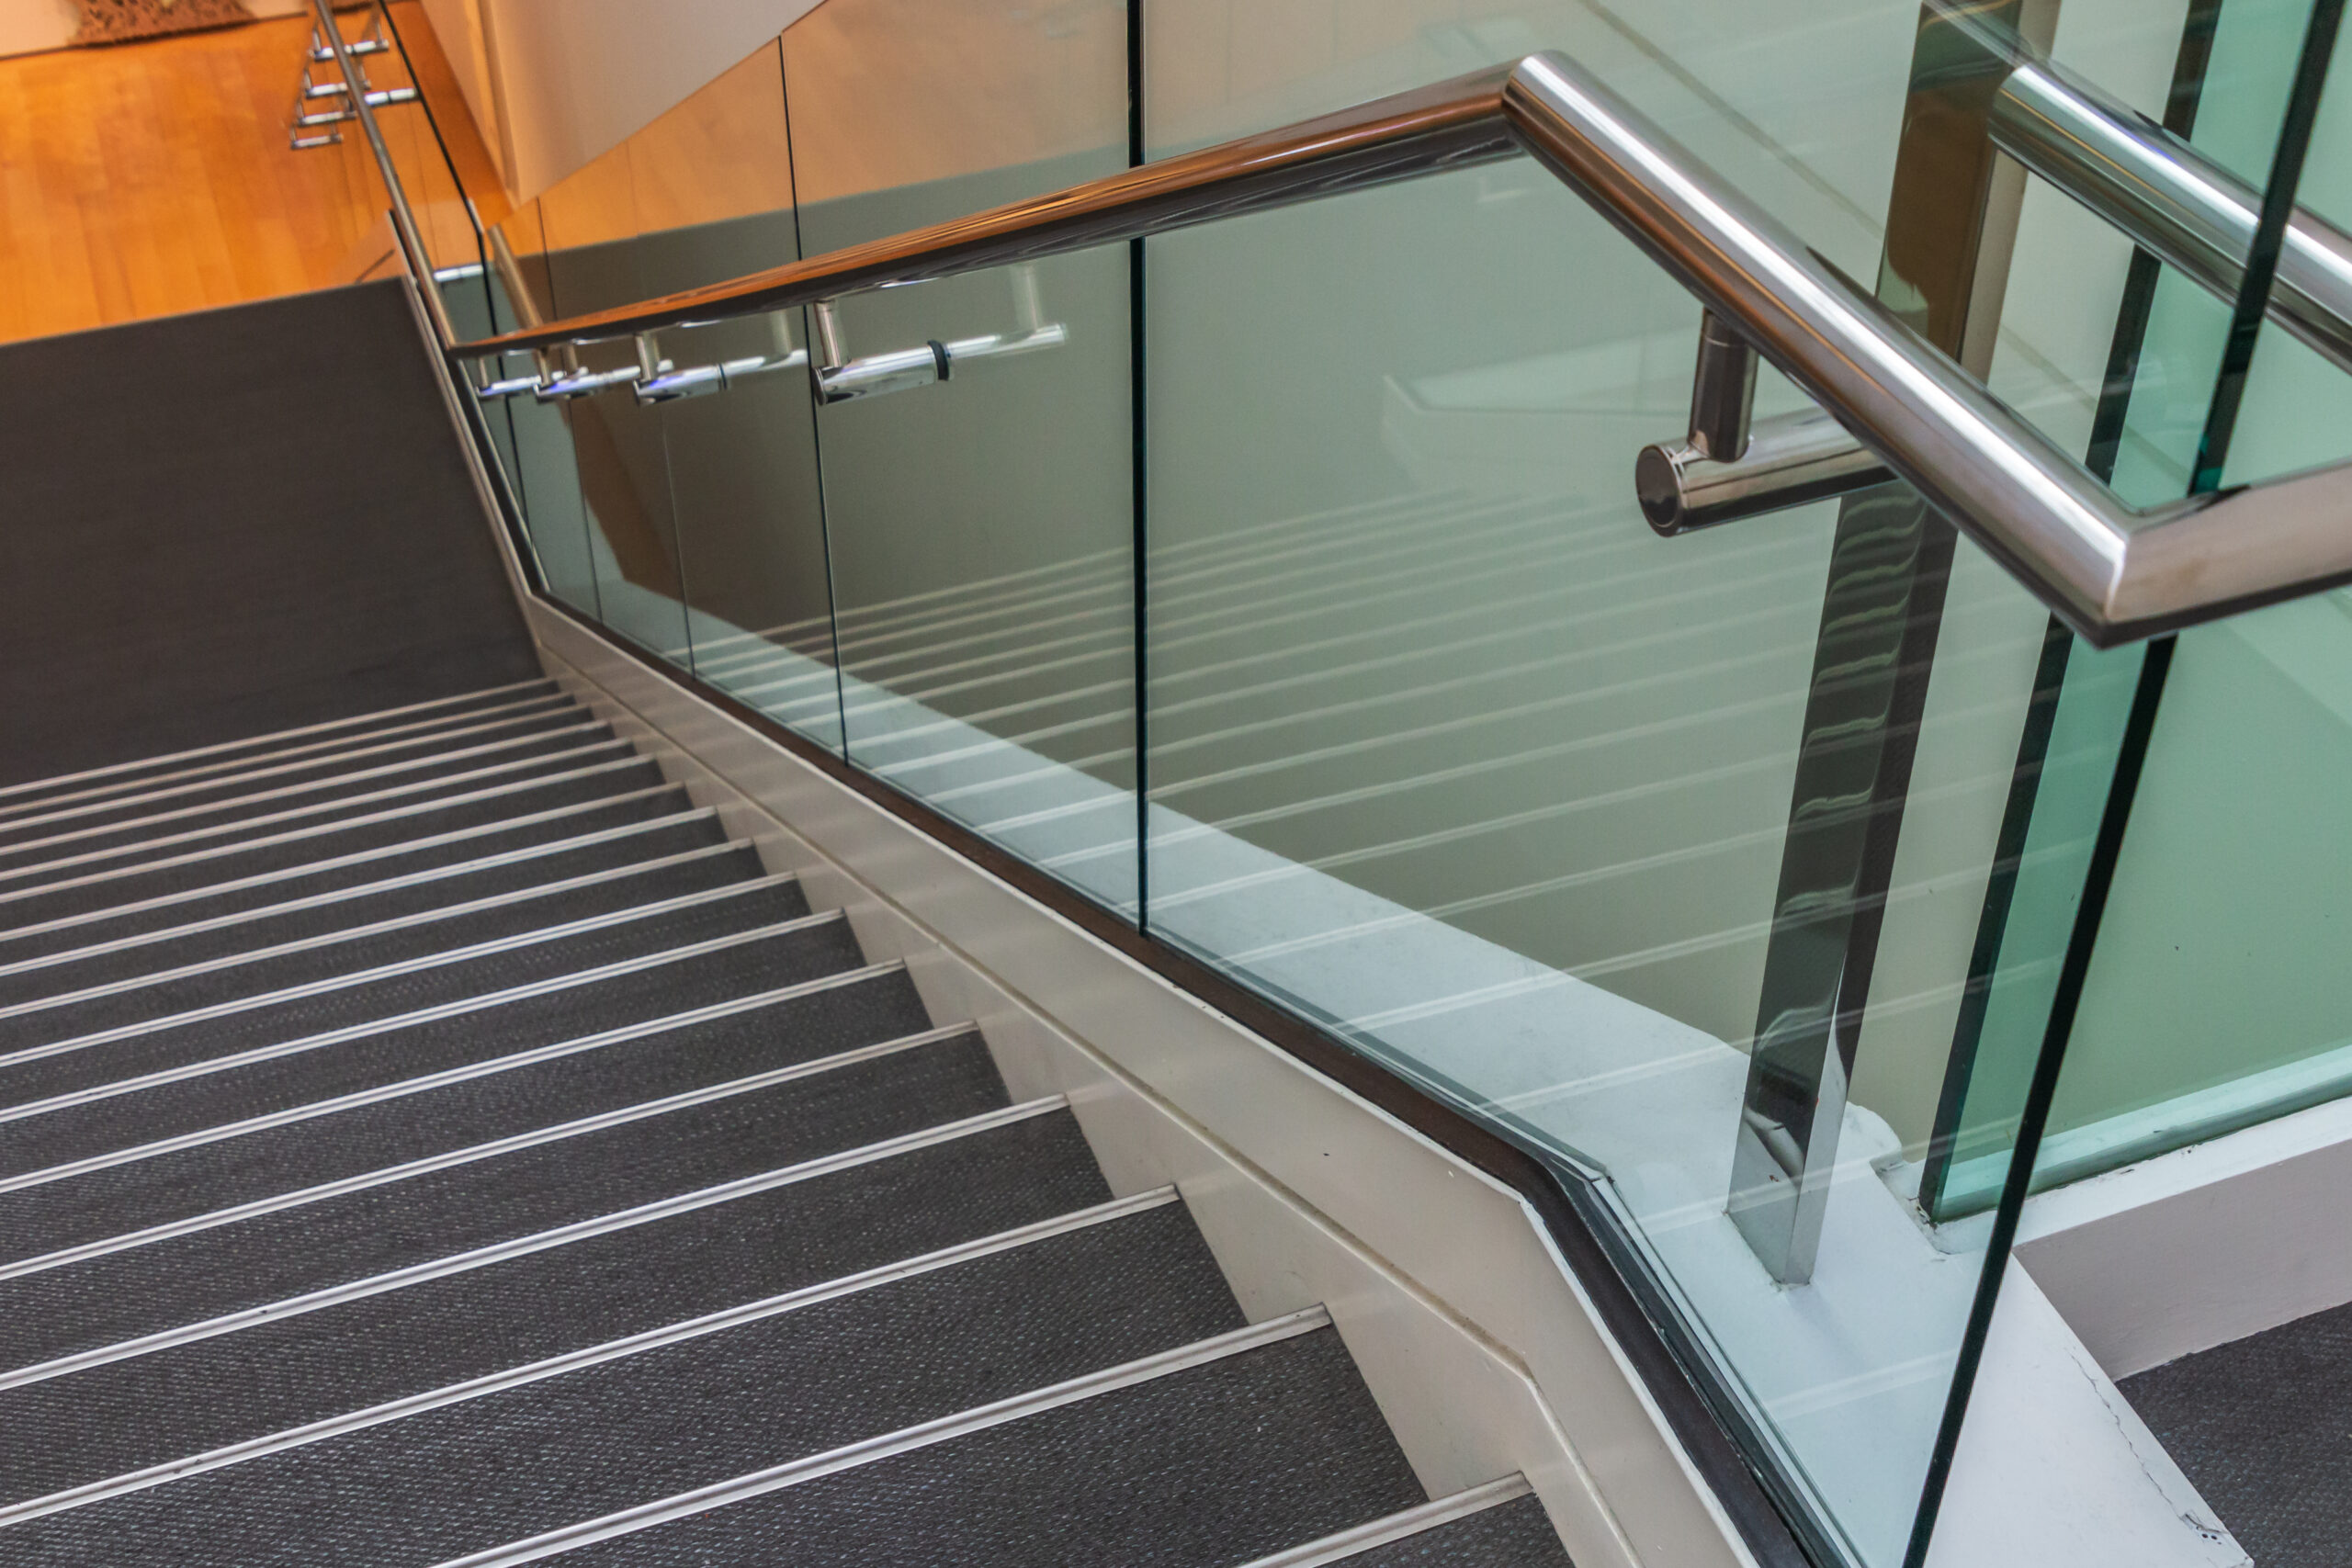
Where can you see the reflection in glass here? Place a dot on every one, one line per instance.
(982, 529)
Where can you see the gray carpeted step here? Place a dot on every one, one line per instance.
(661, 985)
(360, 999)
(207, 1178)
(443, 808)
(331, 876)
(360, 1353)
(1213, 1465)
(1510, 1535)
(146, 832)
(517, 1461)
(189, 1279)
(168, 805)
(421, 937)
(540, 867)
(224, 756)
(2258, 1426)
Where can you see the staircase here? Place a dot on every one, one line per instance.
(427, 1139)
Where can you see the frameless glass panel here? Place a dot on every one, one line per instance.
(592, 260)
(982, 527)
(2211, 1000)
(713, 199)
(539, 463)
(1447, 749)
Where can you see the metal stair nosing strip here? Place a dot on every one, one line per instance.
(436, 1013)
(26, 816)
(310, 786)
(430, 875)
(1339, 1547)
(512, 1143)
(335, 863)
(513, 1061)
(910, 1439)
(410, 922)
(591, 1356)
(113, 768)
(383, 972)
(316, 753)
(247, 824)
(523, 1246)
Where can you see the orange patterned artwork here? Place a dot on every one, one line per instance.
(115, 21)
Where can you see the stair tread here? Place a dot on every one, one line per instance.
(1213, 1465)
(275, 1257)
(521, 1461)
(363, 1352)
(256, 1022)
(332, 732)
(273, 786)
(656, 990)
(117, 1200)
(330, 875)
(1510, 1535)
(170, 824)
(73, 890)
(415, 901)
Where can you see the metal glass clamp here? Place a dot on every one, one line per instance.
(661, 381)
(1730, 467)
(841, 379)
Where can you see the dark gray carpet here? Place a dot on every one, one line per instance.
(510, 1464)
(235, 521)
(274, 1256)
(1513, 1535)
(392, 1056)
(38, 899)
(430, 906)
(361, 1353)
(1228, 1462)
(2263, 1429)
(169, 911)
(117, 1200)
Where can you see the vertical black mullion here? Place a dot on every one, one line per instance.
(2254, 297)
(2108, 422)
(1140, 496)
(2270, 236)
(816, 431)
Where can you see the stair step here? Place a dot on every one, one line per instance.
(274, 785)
(121, 1198)
(141, 829)
(199, 1094)
(1510, 1533)
(432, 901)
(341, 875)
(46, 1058)
(32, 893)
(633, 1429)
(226, 754)
(200, 1394)
(1195, 1466)
(197, 1276)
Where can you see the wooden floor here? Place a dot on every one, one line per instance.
(150, 178)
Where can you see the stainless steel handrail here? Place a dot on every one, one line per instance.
(2113, 571)
(2172, 199)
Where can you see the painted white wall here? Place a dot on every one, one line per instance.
(29, 27)
(572, 78)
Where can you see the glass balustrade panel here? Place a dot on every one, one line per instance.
(2211, 1000)
(982, 527)
(594, 260)
(714, 200)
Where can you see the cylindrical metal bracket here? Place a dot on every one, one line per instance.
(1787, 461)
(1722, 391)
